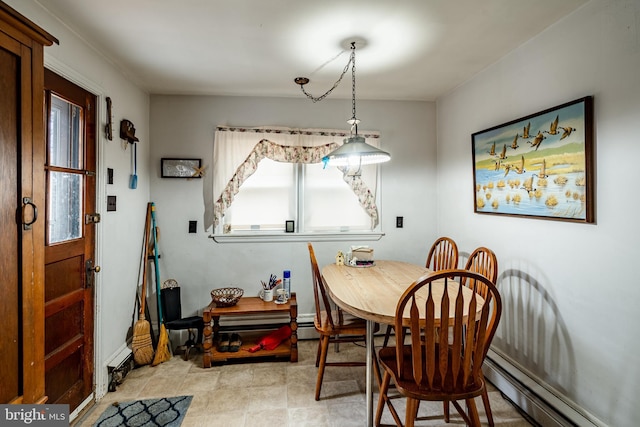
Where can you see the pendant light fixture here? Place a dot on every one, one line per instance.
(355, 152)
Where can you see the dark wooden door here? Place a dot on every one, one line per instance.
(10, 338)
(70, 242)
(22, 147)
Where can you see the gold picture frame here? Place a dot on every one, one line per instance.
(538, 166)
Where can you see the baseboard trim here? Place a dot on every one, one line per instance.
(85, 405)
(540, 404)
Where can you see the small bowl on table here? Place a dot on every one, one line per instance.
(226, 297)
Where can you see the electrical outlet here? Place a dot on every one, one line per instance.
(399, 221)
(193, 226)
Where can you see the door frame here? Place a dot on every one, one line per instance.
(100, 366)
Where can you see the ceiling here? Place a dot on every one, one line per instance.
(406, 49)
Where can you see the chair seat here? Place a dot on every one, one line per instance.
(406, 384)
(188, 322)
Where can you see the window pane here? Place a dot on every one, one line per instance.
(65, 206)
(266, 199)
(64, 134)
(329, 203)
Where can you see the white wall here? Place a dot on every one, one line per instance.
(119, 235)
(183, 126)
(570, 290)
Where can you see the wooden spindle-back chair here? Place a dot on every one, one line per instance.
(443, 254)
(332, 325)
(443, 360)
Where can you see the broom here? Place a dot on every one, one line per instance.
(163, 352)
(141, 345)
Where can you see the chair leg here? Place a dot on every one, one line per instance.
(323, 360)
(487, 405)
(384, 399)
(462, 412)
(376, 368)
(445, 404)
(474, 418)
(412, 412)
(318, 351)
(387, 335)
(384, 387)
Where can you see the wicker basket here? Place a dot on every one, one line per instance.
(226, 297)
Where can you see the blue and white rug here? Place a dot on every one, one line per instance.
(167, 411)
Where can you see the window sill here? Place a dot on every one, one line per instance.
(295, 237)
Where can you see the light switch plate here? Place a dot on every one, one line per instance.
(111, 203)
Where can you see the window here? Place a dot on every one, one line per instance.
(266, 199)
(64, 171)
(261, 183)
(329, 203)
(317, 199)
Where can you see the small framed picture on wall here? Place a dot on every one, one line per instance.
(181, 168)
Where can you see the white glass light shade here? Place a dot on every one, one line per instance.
(354, 152)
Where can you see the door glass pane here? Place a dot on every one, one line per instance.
(65, 206)
(65, 123)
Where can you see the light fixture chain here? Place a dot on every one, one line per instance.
(335, 85)
(355, 152)
(353, 84)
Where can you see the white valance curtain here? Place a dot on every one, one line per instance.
(237, 152)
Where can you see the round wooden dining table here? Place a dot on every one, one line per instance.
(372, 293)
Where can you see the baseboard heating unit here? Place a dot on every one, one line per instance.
(119, 367)
(546, 408)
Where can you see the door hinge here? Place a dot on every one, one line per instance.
(93, 218)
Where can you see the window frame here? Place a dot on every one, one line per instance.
(271, 141)
(253, 236)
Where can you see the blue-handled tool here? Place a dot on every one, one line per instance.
(133, 183)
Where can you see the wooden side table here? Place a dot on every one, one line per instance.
(249, 306)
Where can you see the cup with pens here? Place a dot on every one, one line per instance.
(268, 288)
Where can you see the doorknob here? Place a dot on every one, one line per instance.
(90, 270)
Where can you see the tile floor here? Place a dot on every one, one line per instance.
(277, 394)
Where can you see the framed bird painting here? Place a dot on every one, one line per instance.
(538, 166)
